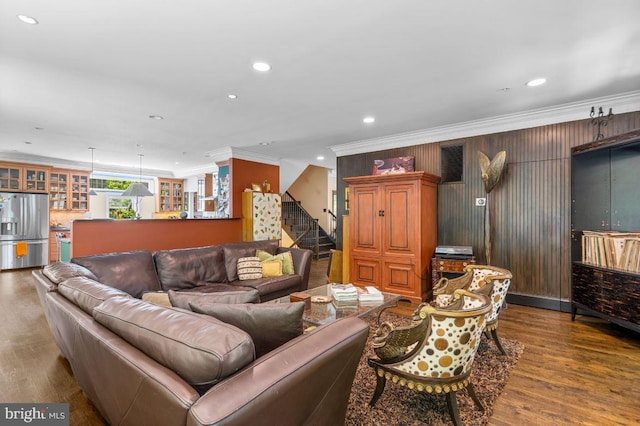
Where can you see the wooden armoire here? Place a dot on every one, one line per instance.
(393, 232)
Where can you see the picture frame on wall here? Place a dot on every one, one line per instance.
(394, 165)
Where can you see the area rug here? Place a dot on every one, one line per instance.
(401, 406)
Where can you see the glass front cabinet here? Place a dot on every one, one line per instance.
(68, 190)
(23, 177)
(170, 196)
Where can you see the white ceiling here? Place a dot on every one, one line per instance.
(92, 72)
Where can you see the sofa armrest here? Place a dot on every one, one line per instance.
(306, 381)
(301, 263)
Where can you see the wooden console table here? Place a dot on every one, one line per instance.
(440, 266)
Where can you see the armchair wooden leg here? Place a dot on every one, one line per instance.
(380, 382)
(472, 394)
(452, 403)
(494, 334)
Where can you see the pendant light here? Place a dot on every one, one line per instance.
(92, 191)
(138, 189)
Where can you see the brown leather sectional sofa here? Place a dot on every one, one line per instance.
(142, 363)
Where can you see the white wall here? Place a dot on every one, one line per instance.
(312, 190)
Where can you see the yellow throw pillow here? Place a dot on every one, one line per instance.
(285, 257)
(272, 268)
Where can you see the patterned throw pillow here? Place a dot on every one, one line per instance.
(249, 268)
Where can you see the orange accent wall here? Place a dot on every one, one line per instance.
(89, 237)
(243, 173)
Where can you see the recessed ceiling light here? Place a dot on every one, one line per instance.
(265, 143)
(156, 117)
(28, 19)
(320, 157)
(232, 96)
(261, 66)
(368, 120)
(536, 82)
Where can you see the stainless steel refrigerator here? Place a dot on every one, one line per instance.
(24, 230)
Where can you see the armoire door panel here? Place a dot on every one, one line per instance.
(365, 211)
(365, 272)
(399, 278)
(397, 219)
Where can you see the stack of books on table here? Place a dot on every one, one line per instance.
(369, 294)
(344, 292)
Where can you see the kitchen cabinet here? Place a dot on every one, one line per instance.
(24, 177)
(393, 232)
(68, 190)
(170, 195)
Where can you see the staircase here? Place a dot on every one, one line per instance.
(304, 229)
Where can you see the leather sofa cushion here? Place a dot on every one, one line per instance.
(60, 271)
(198, 348)
(181, 299)
(268, 286)
(132, 271)
(87, 293)
(234, 251)
(269, 324)
(187, 268)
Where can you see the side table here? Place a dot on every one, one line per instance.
(441, 266)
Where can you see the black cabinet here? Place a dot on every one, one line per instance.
(605, 196)
(609, 294)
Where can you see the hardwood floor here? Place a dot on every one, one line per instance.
(585, 372)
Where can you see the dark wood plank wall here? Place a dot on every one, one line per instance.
(530, 206)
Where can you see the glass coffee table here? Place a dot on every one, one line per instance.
(322, 313)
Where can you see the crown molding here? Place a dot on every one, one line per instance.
(253, 156)
(621, 103)
(61, 163)
(222, 155)
(228, 152)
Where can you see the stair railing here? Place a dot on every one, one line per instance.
(333, 221)
(301, 223)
